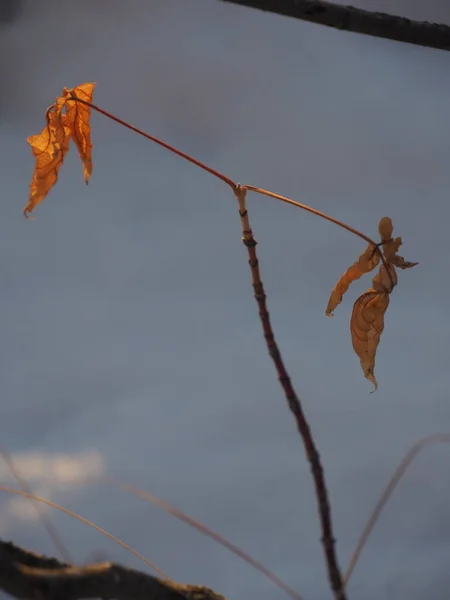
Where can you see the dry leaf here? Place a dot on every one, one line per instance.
(386, 279)
(385, 228)
(367, 320)
(77, 119)
(49, 148)
(366, 326)
(366, 262)
(391, 245)
(390, 249)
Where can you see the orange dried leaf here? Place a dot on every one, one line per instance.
(366, 262)
(391, 245)
(390, 249)
(366, 327)
(367, 320)
(77, 120)
(49, 148)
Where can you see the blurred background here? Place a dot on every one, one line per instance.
(130, 342)
(10, 10)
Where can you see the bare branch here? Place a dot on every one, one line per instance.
(295, 406)
(24, 574)
(347, 18)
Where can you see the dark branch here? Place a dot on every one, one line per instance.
(347, 18)
(27, 575)
(294, 403)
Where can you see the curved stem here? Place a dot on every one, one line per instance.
(387, 493)
(152, 138)
(314, 211)
(318, 213)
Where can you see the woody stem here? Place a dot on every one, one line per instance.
(295, 406)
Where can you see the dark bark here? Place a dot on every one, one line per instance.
(24, 574)
(347, 18)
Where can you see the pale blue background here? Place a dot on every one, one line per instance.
(127, 318)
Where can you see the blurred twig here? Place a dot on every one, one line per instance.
(439, 438)
(348, 18)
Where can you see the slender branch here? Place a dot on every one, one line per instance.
(45, 520)
(314, 211)
(152, 138)
(348, 18)
(328, 541)
(24, 574)
(439, 438)
(322, 215)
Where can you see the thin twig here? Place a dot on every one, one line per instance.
(152, 138)
(328, 540)
(314, 211)
(322, 215)
(401, 469)
(46, 521)
(358, 20)
(86, 522)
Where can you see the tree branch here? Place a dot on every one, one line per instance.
(24, 574)
(347, 18)
(295, 406)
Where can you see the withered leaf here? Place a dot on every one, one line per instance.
(366, 327)
(391, 245)
(51, 145)
(366, 262)
(390, 249)
(367, 320)
(77, 120)
(49, 148)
